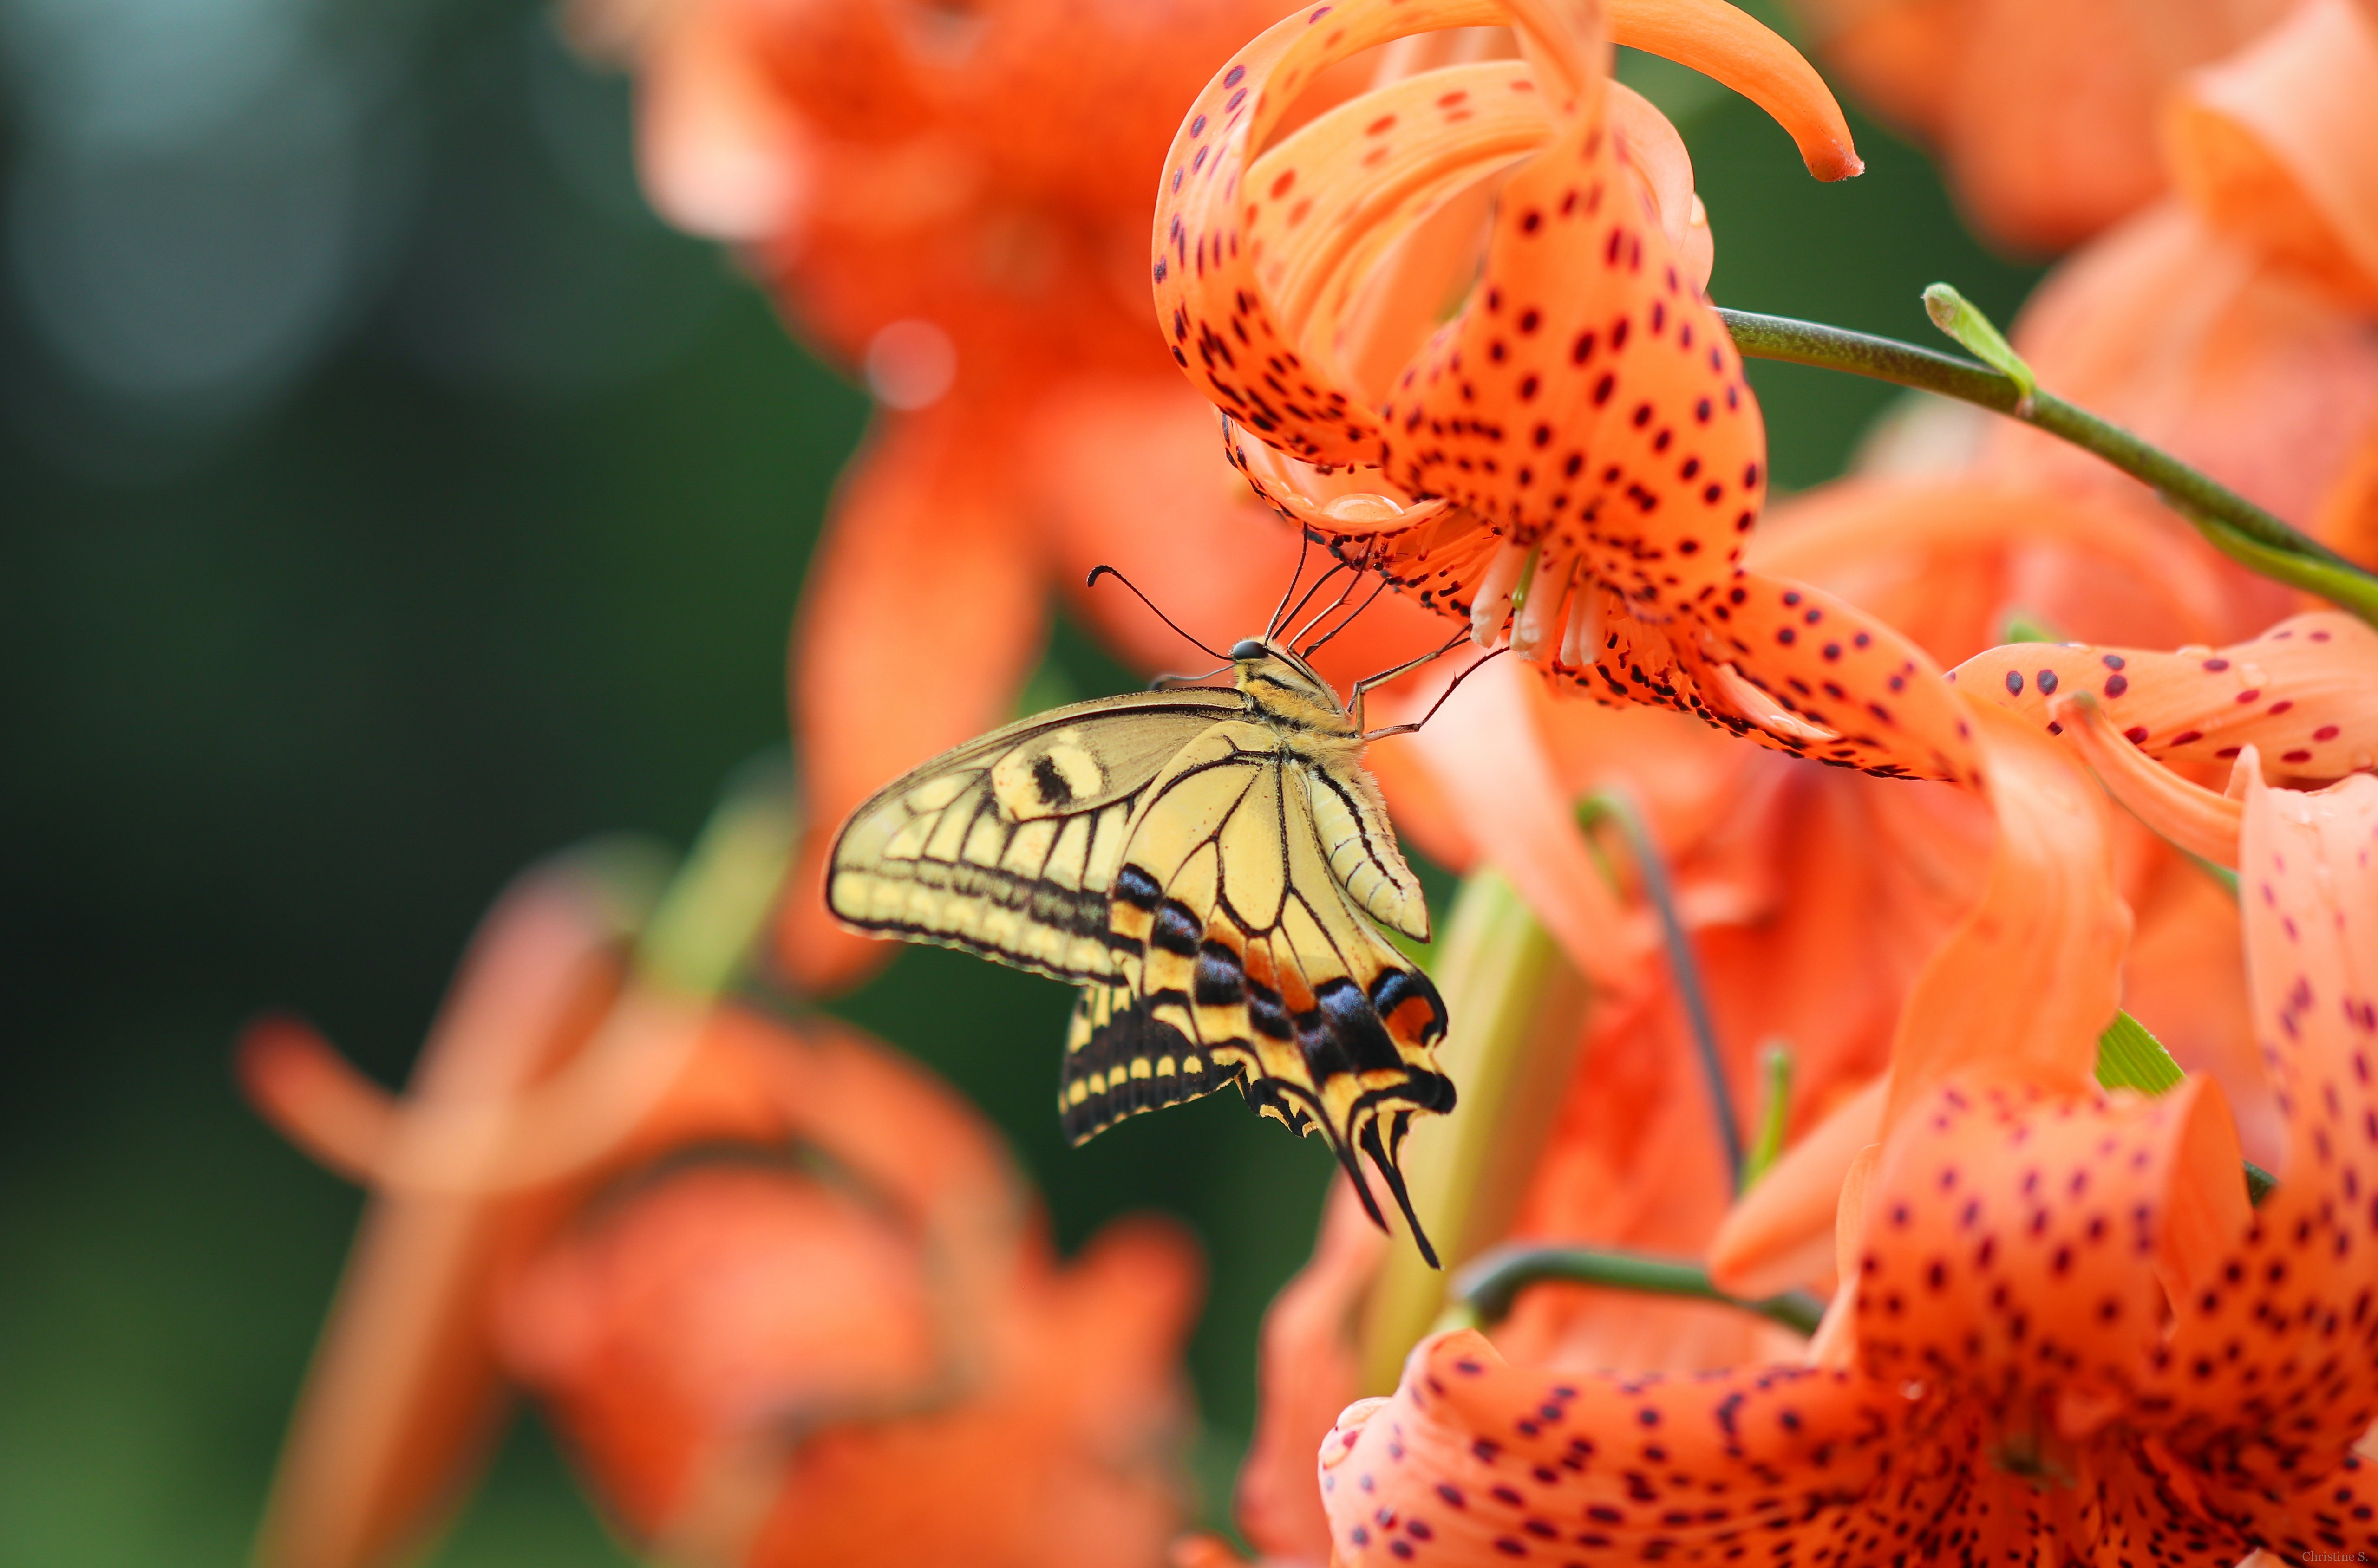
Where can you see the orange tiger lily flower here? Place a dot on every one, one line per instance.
(1994, 1383)
(1574, 459)
(759, 1277)
(1815, 898)
(2231, 324)
(945, 202)
(2044, 115)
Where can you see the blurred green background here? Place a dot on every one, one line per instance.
(387, 500)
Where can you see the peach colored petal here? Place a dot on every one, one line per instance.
(2043, 112)
(2290, 1286)
(299, 1083)
(2278, 144)
(919, 620)
(1944, 558)
(1481, 751)
(2006, 1216)
(2032, 977)
(1474, 1460)
(2303, 692)
(1728, 44)
(718, 151)
(2194, 343)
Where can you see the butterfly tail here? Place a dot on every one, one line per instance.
(1392, 1174)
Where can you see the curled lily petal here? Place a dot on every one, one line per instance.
(2027, 982)
(2305, 693)
(2187, 814)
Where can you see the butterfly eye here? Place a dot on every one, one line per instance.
(1248, 647)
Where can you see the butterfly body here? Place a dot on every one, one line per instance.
(1208, 865)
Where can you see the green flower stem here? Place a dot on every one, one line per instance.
(2233, 524)
(1614, 807)
(1488, 1287)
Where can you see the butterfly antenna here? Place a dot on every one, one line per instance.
(1354, 582)
(1303, 544)
(1352, 617)
(1099, 571)
(1318, 583)
(1451, 686)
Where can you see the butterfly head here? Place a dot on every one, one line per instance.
(1286, 690)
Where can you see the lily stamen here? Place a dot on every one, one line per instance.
(1582, 634)
(1490, 611)
(1540, 604)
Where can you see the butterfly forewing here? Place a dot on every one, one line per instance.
(1007, 846)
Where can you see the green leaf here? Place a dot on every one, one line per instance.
(2130, 1058)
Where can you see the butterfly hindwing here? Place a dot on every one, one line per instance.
(1245, 955)
(1120, 1060)
(1007, 846)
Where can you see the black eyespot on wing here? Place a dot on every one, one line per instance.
(1054, 790)
(1177, 929)
(1221, 979)
(1136, 888)
(1393, 987)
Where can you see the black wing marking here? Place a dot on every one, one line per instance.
(1121, 1060)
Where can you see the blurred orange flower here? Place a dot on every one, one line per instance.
(1993, 1382)
(762, 1278)
(2043, 114)
(2235, 323)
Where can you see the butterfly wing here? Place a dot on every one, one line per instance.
(1244, 961)
(1007, 846)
